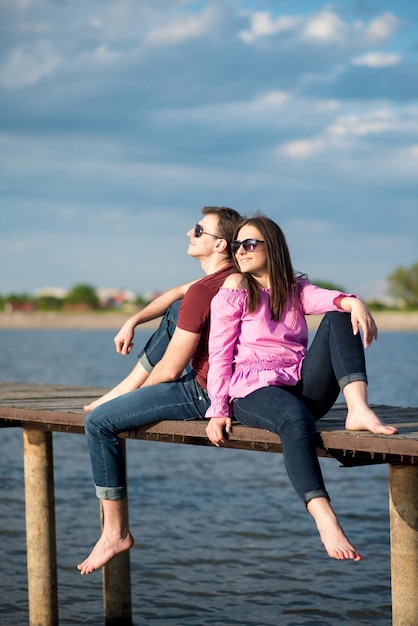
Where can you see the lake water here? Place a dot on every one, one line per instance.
(221, 539)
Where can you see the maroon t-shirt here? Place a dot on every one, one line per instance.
(194, 316)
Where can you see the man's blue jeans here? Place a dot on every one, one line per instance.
(334, 358)
(156, 345)
(183, 399)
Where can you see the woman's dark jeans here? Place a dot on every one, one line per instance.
(335, 358)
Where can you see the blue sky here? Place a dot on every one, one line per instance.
(120, 119)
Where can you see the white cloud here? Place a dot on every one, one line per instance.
(262, 24)
(303, 148)
(378, 59)
(183, 28)
(273, 98)
(382, 27)
(345, 131)
(374, 122)
(325, 26)
(103, 54)
(27, 65)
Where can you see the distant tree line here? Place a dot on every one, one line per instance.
(402, 286)
(80, 297)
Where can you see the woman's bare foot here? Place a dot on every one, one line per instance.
(104, 550)
(332, 535)
(359, 415)
(366, 419)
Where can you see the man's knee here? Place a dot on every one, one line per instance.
(93, 421)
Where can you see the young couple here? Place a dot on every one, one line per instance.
(255, 367)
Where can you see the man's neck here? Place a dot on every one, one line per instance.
(212, 264)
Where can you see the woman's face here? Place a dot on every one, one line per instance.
(254, 259)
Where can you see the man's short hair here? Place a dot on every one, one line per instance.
(228, 220)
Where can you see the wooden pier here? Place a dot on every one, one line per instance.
(42, 409)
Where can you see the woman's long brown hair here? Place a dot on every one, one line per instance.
(282, 277)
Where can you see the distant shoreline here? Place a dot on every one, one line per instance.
(82, 321)
(387, 320)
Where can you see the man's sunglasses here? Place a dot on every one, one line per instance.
(198, 232)
(249, 245)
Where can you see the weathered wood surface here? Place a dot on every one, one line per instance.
(60, 408)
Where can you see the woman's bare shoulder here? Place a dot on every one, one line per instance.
(235, 281)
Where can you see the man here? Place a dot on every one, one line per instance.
(171, 389)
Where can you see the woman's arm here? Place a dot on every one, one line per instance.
(225, 319)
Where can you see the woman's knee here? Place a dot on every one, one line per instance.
(339, 318)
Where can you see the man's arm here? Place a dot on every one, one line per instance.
(180, 350)
(153, 310)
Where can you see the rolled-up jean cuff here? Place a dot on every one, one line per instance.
(143, 359)
(110, 493)
(317, 493)
(351, 378)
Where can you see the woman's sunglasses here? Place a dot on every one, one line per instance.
(249, 245)
(198, 232)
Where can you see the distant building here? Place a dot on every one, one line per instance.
(115, 298)
(109, 297)
(18, 307)
(151, 295)
(52, 292)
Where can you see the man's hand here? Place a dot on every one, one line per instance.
(124, 338)
(155, 309)
(218, 428)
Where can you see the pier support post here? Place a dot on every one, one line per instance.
(117, 582)
(403, 506)
(40, 528)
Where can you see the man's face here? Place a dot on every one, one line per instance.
(203, 245)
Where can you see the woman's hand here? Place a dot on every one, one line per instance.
(218, 428)
(361, 318)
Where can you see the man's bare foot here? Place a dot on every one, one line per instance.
(90, 407)
(104, 550)
(110, 395)
(366, 419)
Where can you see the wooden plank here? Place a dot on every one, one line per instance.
(59, 408)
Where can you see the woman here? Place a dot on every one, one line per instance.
(262, 374)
